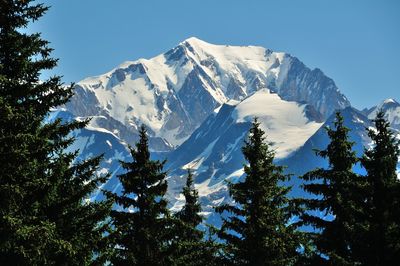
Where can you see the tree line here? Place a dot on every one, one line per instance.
(46, 217)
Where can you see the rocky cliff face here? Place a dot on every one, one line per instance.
(302, 84)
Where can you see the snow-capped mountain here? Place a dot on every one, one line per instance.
(304, 159)
(213, 151)
(198, 101)
(173, 93)
(94, 141)
(391, 108)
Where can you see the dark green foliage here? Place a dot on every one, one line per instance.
(256, 230)
(142, 228)
(189, 246)
(44, 218)
(189, 214)
(187, 243)
(334, 211)
(381, 239)
(80, 223)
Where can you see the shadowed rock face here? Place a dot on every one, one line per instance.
(313, 114)
(84, 102)
(235, 90)
(137, 67)
(196, 99)
(311, 86)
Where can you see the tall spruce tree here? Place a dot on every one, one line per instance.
(335, 209)
(44, 218)
(189, 246)
(381, 242)
(142, 227)
(256, 229)
(189, 218)
(190, 212)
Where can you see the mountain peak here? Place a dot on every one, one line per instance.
(194, 40)
(391, 108)
(194, 43)
(389, 101)
(386, 104)
(223, 50)
(174, 92)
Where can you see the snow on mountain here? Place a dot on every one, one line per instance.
(286, 122)
(173, 93)
(198, 101)
(391, 108)
(214, 154)
(213, 151)
(94, 141)
(304, 159)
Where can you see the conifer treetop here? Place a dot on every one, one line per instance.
(255, 229)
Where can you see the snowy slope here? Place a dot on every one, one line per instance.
(304, 159)
(94, 141)
(391, 108)
(173, 93)
(213, 151)
(286, 122)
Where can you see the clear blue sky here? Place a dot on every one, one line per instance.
(357, 42)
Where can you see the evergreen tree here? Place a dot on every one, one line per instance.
(189, 214)
(335, 210)
(381, 239)
(142, 228)
(190, 246)
(44, 216)
(256, 230)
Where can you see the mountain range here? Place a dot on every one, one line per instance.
(198, 101)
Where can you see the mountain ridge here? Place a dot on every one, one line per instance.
(198, 100)
(174, 92)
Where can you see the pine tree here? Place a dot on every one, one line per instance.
(80, 223)
(189, 214)
(43, 215)
(189, 246)
(142, 228)
(335, 210)
(256, 230)
(381, 239)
